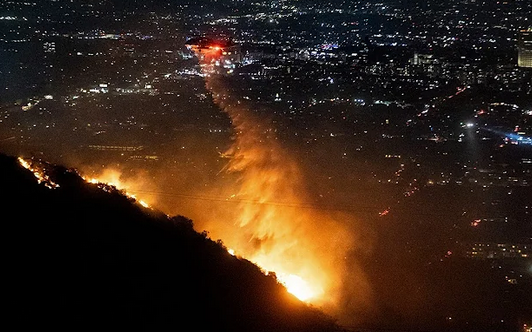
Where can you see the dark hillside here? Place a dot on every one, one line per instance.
(81, 258)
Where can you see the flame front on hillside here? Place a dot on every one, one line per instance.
(108, 179)
(113, 178)
(305, 248)
(270, 224)
(39, 173)
(293, 242)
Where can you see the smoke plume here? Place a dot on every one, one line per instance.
(273, 222)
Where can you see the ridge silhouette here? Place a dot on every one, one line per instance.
(79, 258)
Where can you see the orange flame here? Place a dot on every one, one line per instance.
(130, 186)
(271, 224)
(39, 174)
(305, 248)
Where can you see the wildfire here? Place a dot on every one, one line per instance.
(305, 248)
(297, 286)
(113, 178)
(294, 284)
(39, 174)
(288, 252)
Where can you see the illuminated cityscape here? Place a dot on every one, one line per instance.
(384, 142)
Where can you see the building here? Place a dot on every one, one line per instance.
(524, 46)
(488, 250)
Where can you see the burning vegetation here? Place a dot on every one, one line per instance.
(88, 256)
(305, 248)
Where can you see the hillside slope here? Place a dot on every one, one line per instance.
(82, 258)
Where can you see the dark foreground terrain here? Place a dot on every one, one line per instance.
(85, 257)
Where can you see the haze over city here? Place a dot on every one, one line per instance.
(375, 157)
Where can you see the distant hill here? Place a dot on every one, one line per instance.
(80, 258)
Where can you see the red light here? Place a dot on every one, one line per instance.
(383, 213)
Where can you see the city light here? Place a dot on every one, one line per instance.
(372, 158)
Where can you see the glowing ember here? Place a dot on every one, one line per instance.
(24, 163)
(39, 174)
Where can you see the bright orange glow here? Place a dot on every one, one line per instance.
(24, 163)
(298, 287)
(39, 174)
(294, 284)
(112, 177)
(305, 248)
(308, 250)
